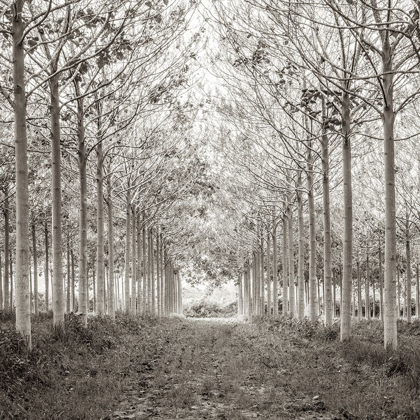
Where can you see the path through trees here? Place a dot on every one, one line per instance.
(148, 144)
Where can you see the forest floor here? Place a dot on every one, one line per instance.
(215, 369)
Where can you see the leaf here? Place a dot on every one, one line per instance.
(32, 42)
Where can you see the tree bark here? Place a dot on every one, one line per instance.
(359, 292)
(83, 280)
(47, 269)
(390, 319)
(127, 251)
(381, 284)
(73, 279)
(100, 241)
(408, 256)
(417, 292)
(11, 280)
(145, 280)
(35, 258)
(152, 272)
(291, 262)
(23, 312)
(240, 296)
(275, 274)
(367, 295)
(139, 266)
(285, 309)
(268, 273)
(1, 287)
(68, 300)
(94, 290)
(327, 217)
(246, 292)
(133, 307)
(261, 274)
(158, 290)
(57, 245)
(312, 236)
(111, 310)
(162, 275)
(6, 252)
(301, 280)
(345, 306)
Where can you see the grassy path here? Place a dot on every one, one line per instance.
(215, 369)
(141, 368)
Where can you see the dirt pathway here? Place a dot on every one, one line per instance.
(219, 369)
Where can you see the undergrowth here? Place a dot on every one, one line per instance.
(74, 370)
(366, 346)
(210, 309)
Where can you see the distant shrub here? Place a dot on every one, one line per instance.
(210, 309)
(305, 328)
(6, 316)
(19, 368)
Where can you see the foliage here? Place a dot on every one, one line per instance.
(205, 308)
(71, 372)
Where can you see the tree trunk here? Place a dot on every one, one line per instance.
(373, 300)
(327, 218)
(390, 319)
(359, 293)
(100, 241)
(139, 266)
(261, 266)
(6, 252)
(68, 304)
(408, 256)
(23, 313)
(381, 284)
(268, 273)
(319, 295)
(291, 263)
(398, 305)
(333, 293)
(47, 269)
(1, 287)
(301, 280)
(73, 279)
(312, 237)
(35, 282)
(240, 296)
(57, 246)
(134, 265)
(149, 277)
(162, 276)
(111, 310)
(367, 295)
(275, 274)
(152, 272)
(158, 290)
(83, 281)
(95, 290)
(417, 292)
(246, 292)
(256, 281)
(30, 290)
(145, 282)
(345, 311)
(127, 251)
(285, 309)
(11, 281)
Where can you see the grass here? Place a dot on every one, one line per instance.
(78, 374)
(174, 368)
